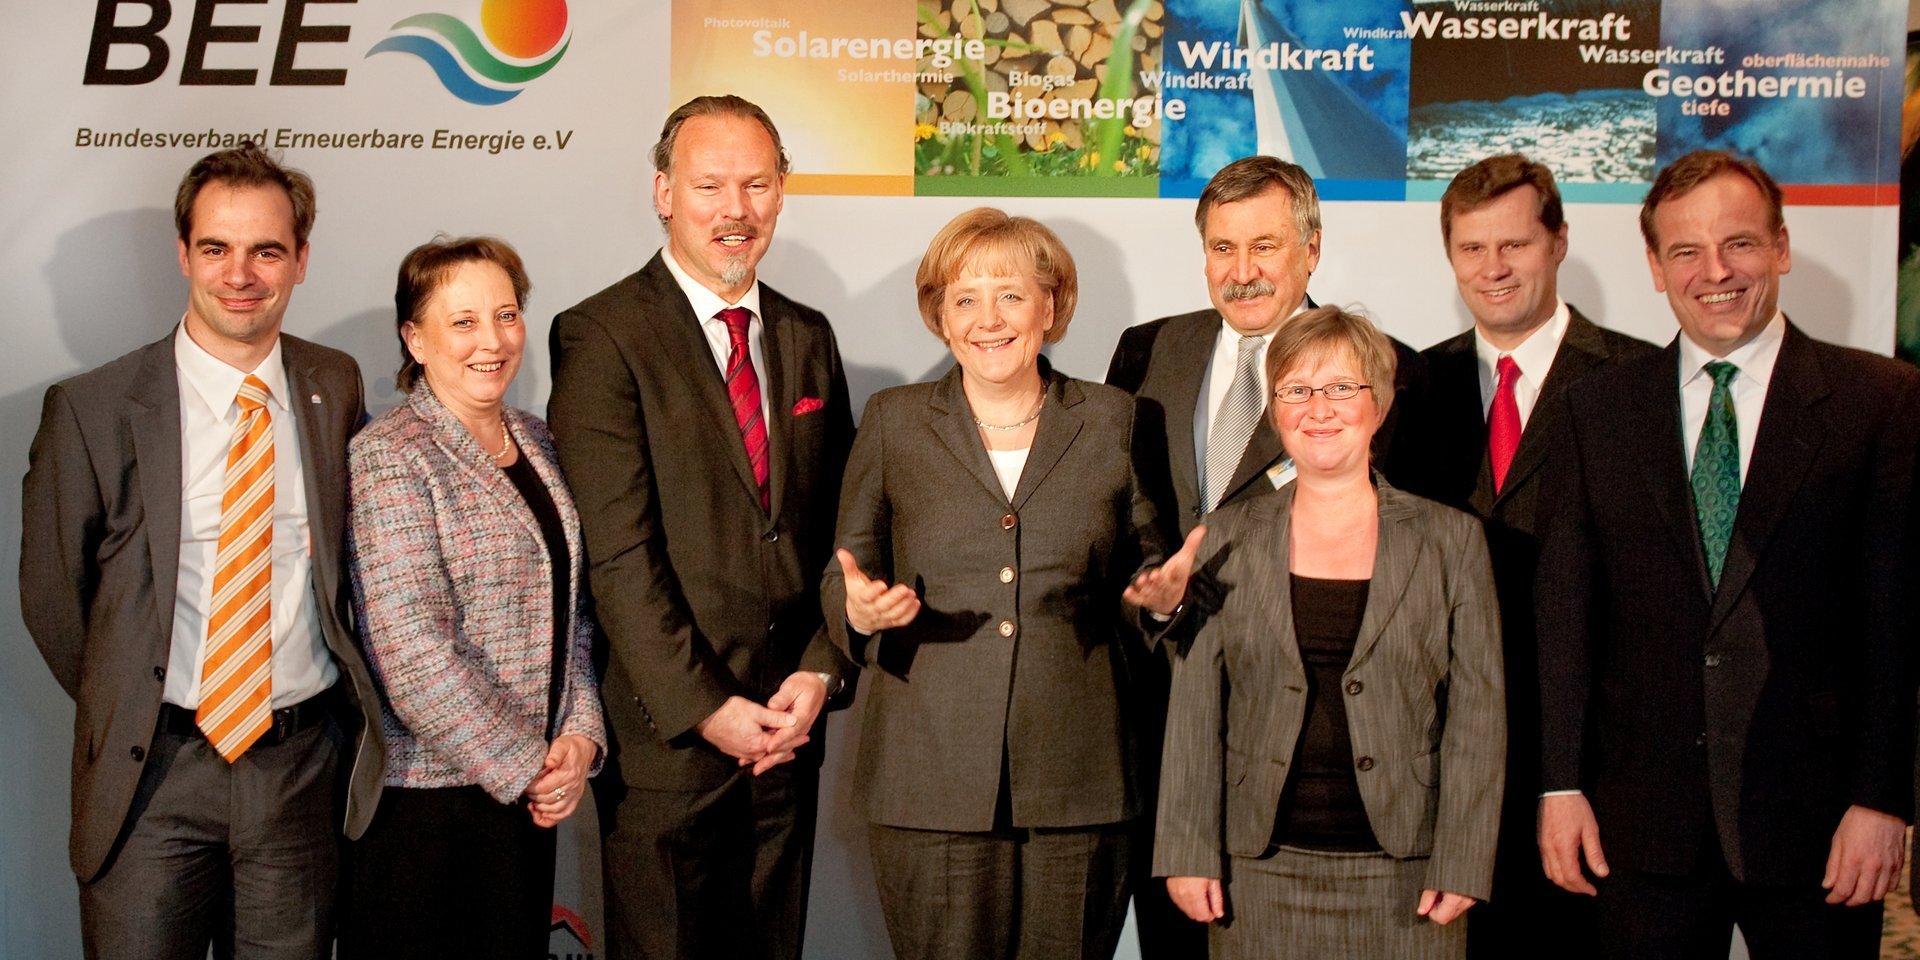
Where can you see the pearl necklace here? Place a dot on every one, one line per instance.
(506, 441)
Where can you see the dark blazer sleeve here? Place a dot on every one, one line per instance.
(865, 529)
(600, 432)
(1128, 368)
(1563, 608)
(1189, 837)
(61, 527)
(1883, 773)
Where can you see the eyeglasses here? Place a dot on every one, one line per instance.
(1337, 390)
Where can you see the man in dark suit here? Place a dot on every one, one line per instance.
(1724, 609)
(180, 569)
(1482, 433)
(1201, 439)
(703, 423)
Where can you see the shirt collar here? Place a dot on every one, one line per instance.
(1534, 356)
(1755, 358)
(705, 302)
(1229, 335)
(218, 384)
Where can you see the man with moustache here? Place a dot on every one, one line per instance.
(180, 570)
(1724, 609)
(1201, 437)
(703, 423)
(1484, 428)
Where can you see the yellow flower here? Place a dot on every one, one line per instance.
(923, 131)
(1144, 152)
(1119, 166)
(1054, 138)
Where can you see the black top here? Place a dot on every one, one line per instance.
(1321, 806)
(534, 492)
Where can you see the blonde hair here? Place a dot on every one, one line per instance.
(988, 240)
(1329, 330)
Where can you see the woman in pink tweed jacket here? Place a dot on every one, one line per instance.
(467, 579)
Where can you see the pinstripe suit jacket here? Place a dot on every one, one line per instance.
(1423, 695)
(454, 589)
(1020, 641)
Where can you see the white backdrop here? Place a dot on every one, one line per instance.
(87, 260)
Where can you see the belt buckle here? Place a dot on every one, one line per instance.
(285, 724)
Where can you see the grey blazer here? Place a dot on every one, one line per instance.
(100, 557)
(1019, 642)
(1423, 695)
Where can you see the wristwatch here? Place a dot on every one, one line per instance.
(834, 684)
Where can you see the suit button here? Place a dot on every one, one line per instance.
(1700, 740)
(1197, 511)
(771, 536)
(1354, 687)
(1006, 628)
(1007, 522)
(160, 673)
(1712, 660)
(138, 753)
(1006, 574)
(1364, 763)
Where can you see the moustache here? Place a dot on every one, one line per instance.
(1246, 291)
(735, 227)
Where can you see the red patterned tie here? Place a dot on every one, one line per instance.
(743, 391)
(1503, 422)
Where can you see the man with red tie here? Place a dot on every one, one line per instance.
(1483, 435)
(180, 570)
(703, 422)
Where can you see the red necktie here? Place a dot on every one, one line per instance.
(743, 391)
(1503, 422)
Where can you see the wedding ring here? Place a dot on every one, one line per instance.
(560, 793)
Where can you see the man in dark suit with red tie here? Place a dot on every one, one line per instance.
(1725, 608)
(1482, 433)
(703, 423)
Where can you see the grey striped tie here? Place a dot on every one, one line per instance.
(1233, 424)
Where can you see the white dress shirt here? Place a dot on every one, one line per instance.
(302, 666)
(1534, 356)
(1755, 359)
(1213, 393)
(707, 306)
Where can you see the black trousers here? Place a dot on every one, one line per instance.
(1650, 916)
(239, 856)
(448, 872)
(695, 876)
(1526, 909)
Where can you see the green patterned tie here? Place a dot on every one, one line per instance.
(1716, 470)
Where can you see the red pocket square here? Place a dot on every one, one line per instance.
(807, 405)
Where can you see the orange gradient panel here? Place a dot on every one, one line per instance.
(524, 28)
(849, 114)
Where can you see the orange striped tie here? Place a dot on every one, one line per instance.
(236, 676)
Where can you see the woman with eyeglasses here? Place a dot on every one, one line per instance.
(1344, 800)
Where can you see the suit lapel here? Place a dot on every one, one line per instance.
(1268, 523)
(1790, 435)
(1263, 451)
(779, 381)
(1059, 424)
(153, 416)
(684, 348)
(1395, 556)
(952, 421)
(1580, 351)
(323, 448)
(1185, 350)
(1454, 372)
(476, 461)
(1655, 407)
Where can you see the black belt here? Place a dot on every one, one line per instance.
(286, 721)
